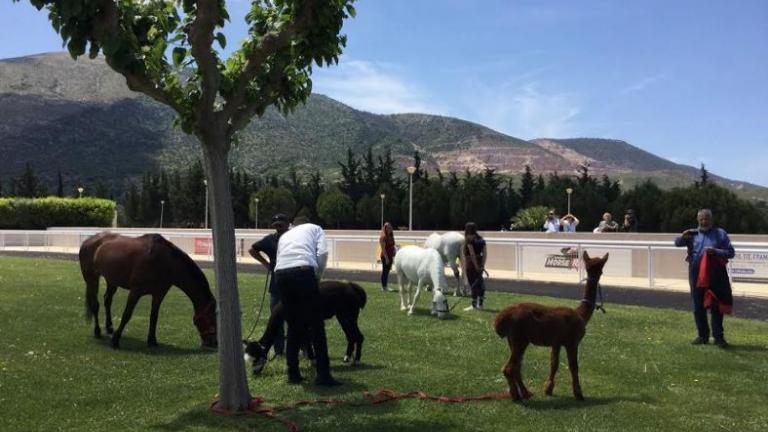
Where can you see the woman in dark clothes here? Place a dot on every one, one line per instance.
(387, 243)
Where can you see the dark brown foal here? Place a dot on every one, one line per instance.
(531, 323)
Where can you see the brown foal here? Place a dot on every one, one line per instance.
(531, 323)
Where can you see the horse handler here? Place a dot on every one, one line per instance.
(268, 245)
(301, 258)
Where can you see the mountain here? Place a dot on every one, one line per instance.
(80, 119)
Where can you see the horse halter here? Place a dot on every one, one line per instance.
(205, 325)
(441, 306)
(599, 306)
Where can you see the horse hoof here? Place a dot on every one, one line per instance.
(356, 363)
(110, 330)
(527, 395)
(580, 397)
(97, 334)
(115, 343)
(152, 344)
(410, 312)
(346, 359)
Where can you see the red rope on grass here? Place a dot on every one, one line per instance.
(370, 398)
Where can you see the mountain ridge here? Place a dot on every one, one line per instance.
(79, 118)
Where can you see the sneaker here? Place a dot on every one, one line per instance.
(721, 342)
(384, 289)
(328, 381)
(469, 308)
(700, 341)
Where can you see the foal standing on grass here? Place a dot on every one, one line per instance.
(531, 323)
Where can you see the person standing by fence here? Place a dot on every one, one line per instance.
(387, 244)
(474, 255)
(709, 249)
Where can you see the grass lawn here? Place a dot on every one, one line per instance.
(638, 371)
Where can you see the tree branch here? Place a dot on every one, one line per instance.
(269, 44)
(106, 28)
(201, 39)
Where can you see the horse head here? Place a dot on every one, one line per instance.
(594, 266)
(256, 354)
(205, 321)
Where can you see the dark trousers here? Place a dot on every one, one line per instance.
(476, 284)
(301, 304)
(279, 335)
(385, 269)
(700, 314)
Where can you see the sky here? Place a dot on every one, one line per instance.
(685, 80)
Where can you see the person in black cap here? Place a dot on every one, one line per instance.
(630, 222)
(268, 246)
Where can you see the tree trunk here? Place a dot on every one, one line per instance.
(233, 383)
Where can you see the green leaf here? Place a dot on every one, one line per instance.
(221, 39)
(178, 55)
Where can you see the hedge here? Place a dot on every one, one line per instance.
(36, 213)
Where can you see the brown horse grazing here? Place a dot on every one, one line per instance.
(146, 265)
(531, 323)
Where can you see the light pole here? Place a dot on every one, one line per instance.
(382, 209)
(569, 191)
(256, 214)
(162, 208)
(411, 170)
(205, 182)
(80, 190)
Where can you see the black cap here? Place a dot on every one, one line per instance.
(280, 218)
(630, 212)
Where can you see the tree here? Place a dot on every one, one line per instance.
(214, 99)
(60, 186)
(28, 184)
(273, 200)
(335, 208)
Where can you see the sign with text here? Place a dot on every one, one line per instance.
(202, 245)
(750, 265)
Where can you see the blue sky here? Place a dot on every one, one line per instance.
(686, 80)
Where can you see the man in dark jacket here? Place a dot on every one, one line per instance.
(701, 241)
(268, 246)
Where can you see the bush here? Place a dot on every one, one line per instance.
(36, 213)
(530, 219)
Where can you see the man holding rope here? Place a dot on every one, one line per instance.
(268, 246)
(301, 258)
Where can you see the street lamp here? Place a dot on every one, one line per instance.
(411, 170)
(382, 209)
(256, 216)
(569, 191)
(205, 182)
(80, 191)
(162, 208)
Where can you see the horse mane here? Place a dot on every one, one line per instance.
(190, 266)
(436, 270)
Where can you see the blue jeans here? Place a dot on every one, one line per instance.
(700, 314)
(279, 336)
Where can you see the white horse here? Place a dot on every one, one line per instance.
(425, 268)
(449, 246)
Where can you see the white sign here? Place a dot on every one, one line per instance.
(750, 265)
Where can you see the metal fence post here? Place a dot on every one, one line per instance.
(650, 267)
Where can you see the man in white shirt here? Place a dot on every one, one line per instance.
(552, 222)
(301, 258)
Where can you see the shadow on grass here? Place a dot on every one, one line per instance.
(747, 348)
(346, 367)
(313, 417)
(545, 403)
(139, 346)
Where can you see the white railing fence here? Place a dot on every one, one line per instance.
(641, 263)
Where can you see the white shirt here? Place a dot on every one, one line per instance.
(303, 245)
(552, 225)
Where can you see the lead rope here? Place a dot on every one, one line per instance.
(261, 307)
(599, 306)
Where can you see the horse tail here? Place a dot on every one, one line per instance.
(362, 297)
(90, 276)
(504, 324)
